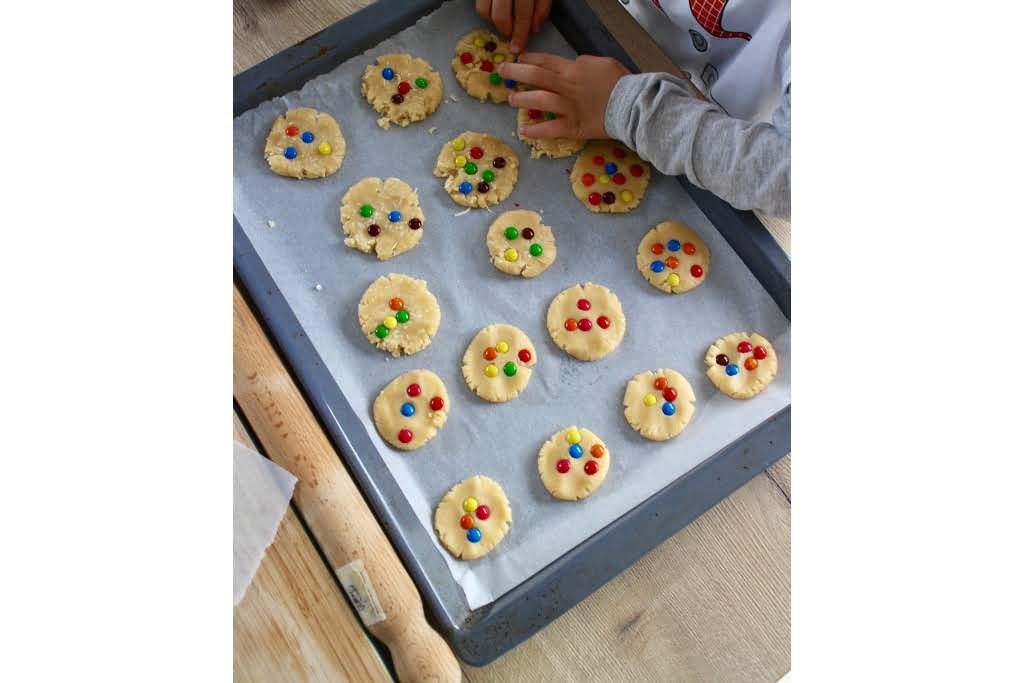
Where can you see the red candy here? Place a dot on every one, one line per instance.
(405, 435)
(585, 324)
(599, 160)
(669, 394)
(760, 352)
(672, 262)
(594, 198)
(490, 353)
(396, 304)
(466, 521)
(476, 152)
(436, 403)
(404, 87)
(570, 324)
(291, 131)
(619, 153)
(465, 58)
(525, 355)
(482, 512)
(744, 347)
(587, 179)
(696, 270)
(657, 248)
(689, 249)
(590, 468)
(603, 322)
(619, 179)
(660, 383)
(534, 113)
(562, 466)
(487, 66)
(636, 170)
(413, 390)
(608, 197)
(583, 305)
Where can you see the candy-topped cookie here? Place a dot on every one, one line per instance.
(478, 168)
(305, 143)
(498, 363)
(472, 518)
(673, 257)
(658, 404)
(381, 216)
(476, 56)
(573, 463)
(403, 88)
(741, 365)
(586, 321)
(609, 178)
(411, 409)
(520, 244)
(556, 148)
(398, 314)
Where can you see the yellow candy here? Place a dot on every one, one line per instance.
(459, 144)
(498, 59)
(501, 346)
(573, 436)
(673, 279)
(491, 370)
(603, 178)
(460, 161)
(510, 255)
(650, 400)
(390, 322)
(324, 148)
(626, 196)
(469, 505)
(479, 42)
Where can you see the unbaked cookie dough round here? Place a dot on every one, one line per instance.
(473, 517)
(476, 56)
(498, 363)
(573, 463)
(382, 217)
(520, 244)
(658, 404)
(403, 88)
(586, 321)
(673, 257)
(398, 314)
(411, 409)
(609, 178)
(305, 143)
(556, 148)
(478, 168)
(741, 364)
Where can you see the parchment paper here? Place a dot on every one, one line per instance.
(305, 248)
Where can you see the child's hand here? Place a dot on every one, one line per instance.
(577, 90)
(515, 17)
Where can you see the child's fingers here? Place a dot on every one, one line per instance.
(532, 75)
(545, 60)
(541, 10)
(540, 99)
(521, 25)
(559, 127)
(501, 15)
(483, 8)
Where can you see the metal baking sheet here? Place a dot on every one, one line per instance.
(280, 267)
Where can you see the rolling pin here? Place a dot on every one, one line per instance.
(360, 554)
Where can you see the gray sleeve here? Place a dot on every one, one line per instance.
(745, 163)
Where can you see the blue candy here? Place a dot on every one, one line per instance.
(394, 216)
(668, 407)
(509, 83)
(610, 168)
(408, 409)
(388, 73)
(290, 153)
(465, 187)
(732, 369)
(576, 450)
(657, 266)
(673, 245)
(473, 535)
(307, 137)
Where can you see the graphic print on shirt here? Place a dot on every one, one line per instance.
(708, 14)
(709, 76)
(700, 43)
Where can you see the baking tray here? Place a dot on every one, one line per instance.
(478, 636)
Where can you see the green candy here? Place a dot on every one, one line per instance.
(381, 332)
(489, 176)
(469, 168)
(509, 369)
(511, 233)
(495, 79)
(365, 210)
(536, 250)
(549, 115)
(421, 83)
(402, 316)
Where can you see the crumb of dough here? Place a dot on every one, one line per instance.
(271, 224)
(319, 287)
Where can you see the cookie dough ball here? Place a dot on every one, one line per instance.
(673, 257)
(398, 314)
(659, 404)
(382, 217)
(305, 143)
(478, 168)
(556, 148)
(498, 363)
(476, 56)
(403, 88)
(411, 409)
(472, 518)
(520, 244)
(741, 364)
(586, 321)
(573, 463)
(608, 178)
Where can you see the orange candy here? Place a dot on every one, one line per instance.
(750, 364)
(657, 248)
(570, 324)
(490, 353)
(597, 450)
(466, 522)
(396, 304)
(672, 262)
(660, 383)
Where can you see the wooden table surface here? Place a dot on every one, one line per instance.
(711, 603)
